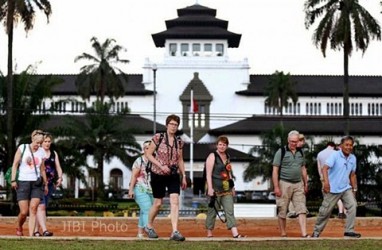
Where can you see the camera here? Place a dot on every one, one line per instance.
(173, 169)
(212, 201)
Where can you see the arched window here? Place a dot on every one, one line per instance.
(116, 179)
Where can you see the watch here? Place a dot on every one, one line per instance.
(354, 190)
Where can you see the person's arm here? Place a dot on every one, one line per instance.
(182, 169)
(43, 175)
(209, 168)
(353, 182)
(149, 153)
(58, 169)
(275, 180)
(319, 168)
(325, 174)
(134, 175)
(16, 161)
(305, 178)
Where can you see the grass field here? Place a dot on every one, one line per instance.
(31, 244)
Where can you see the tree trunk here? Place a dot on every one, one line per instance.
(346, 93)
(101, 186)
(10, 140)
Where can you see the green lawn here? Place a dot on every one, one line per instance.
(38, 244)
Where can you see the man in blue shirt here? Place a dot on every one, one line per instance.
(339, 182)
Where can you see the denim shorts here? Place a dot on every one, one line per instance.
(26, 190)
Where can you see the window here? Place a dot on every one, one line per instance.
(184, 49)
(208, 49)
(219, 49)
(196, 49)
(173, 49)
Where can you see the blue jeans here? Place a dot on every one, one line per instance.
(144, 201)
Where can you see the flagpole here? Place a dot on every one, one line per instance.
(192, 138)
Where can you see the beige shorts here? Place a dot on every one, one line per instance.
(291, 192)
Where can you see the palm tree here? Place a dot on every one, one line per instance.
(262, 165)
(344, 24)
(11, 12)
(102, 136)
(279, 91)
(30, 90)
(100, 76)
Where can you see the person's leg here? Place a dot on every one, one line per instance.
(325, 211)
(291, 211)
(144, 201)
(23, 194)
(38, 220)
(350, 204)
(34, 202)
(24, 207)
(282, 203)
(341, 209)
(227, 203)
(299, 202)
(154, 211)
(174, 211)
(41, 218)
(210, 220)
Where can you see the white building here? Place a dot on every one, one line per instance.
(230, 100)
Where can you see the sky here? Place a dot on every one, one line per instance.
(273, 36)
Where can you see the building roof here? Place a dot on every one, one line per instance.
(134, 122)
(196, 22)
(202, 150)
(199, 89)
(134, 86)
(321, 85)
(314, 125)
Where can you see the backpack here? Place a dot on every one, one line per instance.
(161, 136)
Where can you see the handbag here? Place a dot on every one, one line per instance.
(8, 174)
(38, 182)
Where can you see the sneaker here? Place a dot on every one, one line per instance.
(352, 235)
(140, 236)
(315, 235)
(341, 216)
(151, 233)
(177, 236)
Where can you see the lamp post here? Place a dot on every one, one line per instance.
(154, 68)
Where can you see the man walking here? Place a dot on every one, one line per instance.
(290, 181)
(340, 182)
(322, 156)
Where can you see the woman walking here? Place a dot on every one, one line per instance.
(31, 183)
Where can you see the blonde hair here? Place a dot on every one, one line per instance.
(37, 132)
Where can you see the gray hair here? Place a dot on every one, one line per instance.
(293, 132)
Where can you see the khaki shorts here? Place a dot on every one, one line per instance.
(291, 192)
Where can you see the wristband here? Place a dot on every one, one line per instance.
(13, 181)
(354, 190)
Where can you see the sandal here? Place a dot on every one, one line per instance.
(19, 231)
(305, 236)
(210, 236)
(47, 233)
(37, 234)
(239, 236)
